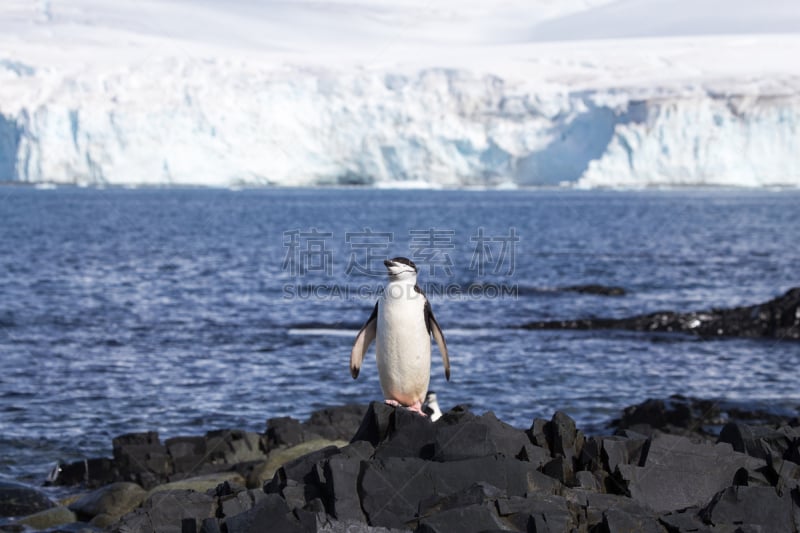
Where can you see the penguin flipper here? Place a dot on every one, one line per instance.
(364, 338)
(436, 331)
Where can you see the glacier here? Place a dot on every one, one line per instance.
(444, 128)
(87, 101)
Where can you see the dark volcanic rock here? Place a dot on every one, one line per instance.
(341, 481)
(408, 435)
(469, 519)
(480, 437)
(113, 500)
(91, 473)
(392, 488)
(600, 290)
(374, 426)
(620, 521)
(270, 514)
(476, 473)
(701, 417)
(20, 500)
(166, 511)
(677, 473)
(141, 458)
(776, 319)
(332, 423)
(755, 506)
(337, 423)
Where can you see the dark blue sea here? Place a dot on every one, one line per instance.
(183, 310)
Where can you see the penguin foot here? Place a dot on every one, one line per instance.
(393, 403)
(417, 408)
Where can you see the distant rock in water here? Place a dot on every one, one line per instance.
(700, 417)
(599, 290)
(776, 319)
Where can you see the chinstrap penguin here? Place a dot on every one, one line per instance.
(401, 323)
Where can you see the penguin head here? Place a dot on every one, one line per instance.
(400, 268)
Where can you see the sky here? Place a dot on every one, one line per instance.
(359, 32)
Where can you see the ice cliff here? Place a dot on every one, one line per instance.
(216, 124)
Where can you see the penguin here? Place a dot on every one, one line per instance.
(431, 406)
(401, 323)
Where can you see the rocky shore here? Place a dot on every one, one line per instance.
(674, 465)
(778, 318)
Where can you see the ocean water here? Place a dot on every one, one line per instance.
(182, 310)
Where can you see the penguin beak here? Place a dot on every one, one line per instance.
(389, 263)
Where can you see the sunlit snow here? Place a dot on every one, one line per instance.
(591, 93)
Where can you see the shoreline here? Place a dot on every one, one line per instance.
(225, 464)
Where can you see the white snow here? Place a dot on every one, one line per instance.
(632, 93)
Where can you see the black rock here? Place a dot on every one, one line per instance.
(296, 495)
(602, 455)
(539, 433)
(600, 290)
(537, 511)
(480, 437)
(408, 435)
(234, 504)
(141, 458)
(755, 506)
(284, 431)
(331, 423)
(331, 525)
(341, 484)
(590, 480)
(558, 435)
(392, 488)
(187, 453)
(620, 521)
(684, 521)
(760, 442)
(591, 506)
(783, 474)
(778, 318)
(305, 470)
(475, 494)
(473, 518)
(560, 469)
(75, 527)
(20, 500)
(463, 441)
(536, 455)
(91, 473)
(565, 439)
(678, 473)
(234, 446)
(359, 449)
(270, 514)
(374, 426)
(336, 423)
(659, 414)
(742, 439)
(210, 525)
(166, 510)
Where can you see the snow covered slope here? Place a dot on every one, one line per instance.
(425, 93)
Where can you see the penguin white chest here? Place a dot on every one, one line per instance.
(403, 347)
